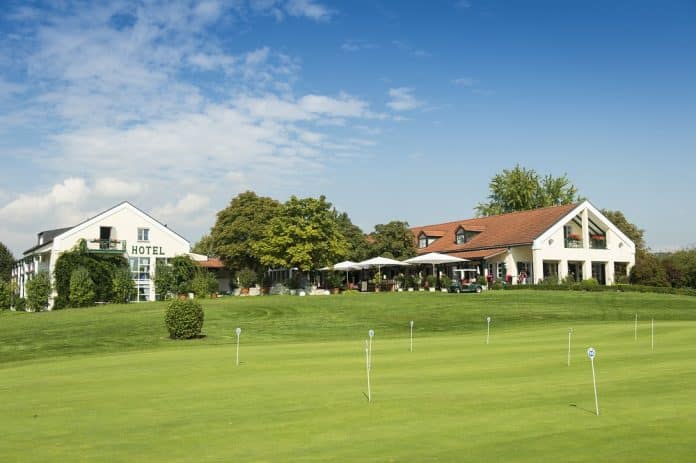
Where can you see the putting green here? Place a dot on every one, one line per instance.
(453, 399)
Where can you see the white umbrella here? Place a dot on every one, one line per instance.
(435, 258)
(380, 262)
(346, 265)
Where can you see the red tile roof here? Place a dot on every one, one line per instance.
(495, 232)
(212, 262)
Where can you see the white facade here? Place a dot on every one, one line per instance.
(123, 229)
(557, 252)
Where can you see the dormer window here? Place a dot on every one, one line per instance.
(422, 241)
(460, 236)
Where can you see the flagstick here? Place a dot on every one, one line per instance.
(652, 335)
(370, 333)
(367, 368)
(591, 354)
(411, 335)
(239, 331)
(488, 332)
(635, 329)
(570, 332)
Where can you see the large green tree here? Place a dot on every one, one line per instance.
(240, 227)
(6, 263)
(521, 189)
(305, 234)
(204, 246)
(355, 239)
(393, 239)
(38, 291)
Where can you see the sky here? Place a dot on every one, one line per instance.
(393, 110)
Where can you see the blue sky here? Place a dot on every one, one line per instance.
(393, 110)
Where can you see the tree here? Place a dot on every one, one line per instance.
(184, 270)
(303, 234)
(204, 246)
(355, 239)
(38, 291)
(393, 239)
(648, 270)
(627, 228)
(240, 227)
(81, 288)
(204, 283)
(5, 295)
(7, 261)
(521, 189)
(165, 282)
(123, 286)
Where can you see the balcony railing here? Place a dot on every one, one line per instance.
(115, 246)
(573, 243)
(598, 243)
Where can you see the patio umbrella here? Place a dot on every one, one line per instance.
(380, 262)
(435, 258)
(346, 265)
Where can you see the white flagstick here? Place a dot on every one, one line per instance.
(367, 368)
(570, 332)
(635, 329)
(488, 333)
(411, 335)
(370, 333)
(652, 335)
(238, 331)
(591, 354)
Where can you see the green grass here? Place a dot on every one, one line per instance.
(105, 384)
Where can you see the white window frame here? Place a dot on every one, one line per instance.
(143, 234)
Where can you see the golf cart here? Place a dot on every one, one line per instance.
(457, 287)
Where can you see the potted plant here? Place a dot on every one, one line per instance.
(266, 284)
(334, 280)
(378, 281)
(294, 284)
(445, 283)
(430, 282)
(247, 279)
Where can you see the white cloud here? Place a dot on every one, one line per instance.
(402, 99)
(353, 45)
(114, 188)
(190, 204)
(309, 9)
(464, 82)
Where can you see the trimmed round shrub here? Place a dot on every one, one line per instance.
(184, 319)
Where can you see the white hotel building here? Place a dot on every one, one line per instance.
(123, 229)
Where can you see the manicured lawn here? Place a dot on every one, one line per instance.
(105, 384)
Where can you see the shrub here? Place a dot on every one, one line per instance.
(590, 284)
(38, 291)
(498, 285)
(430, 281)
(20, 304)
(184, 319)
(165, 281)
(123, 286)
(81, 288)
(204, 283)
(445, 282)
(334, 279)
(5, 296)
(247, 277)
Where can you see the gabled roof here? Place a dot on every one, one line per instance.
(495, 232)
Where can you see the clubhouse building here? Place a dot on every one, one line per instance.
(123, 229)
(574, 240)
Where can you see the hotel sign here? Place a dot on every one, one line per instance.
(147, 251)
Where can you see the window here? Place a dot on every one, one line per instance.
(502, 270)
(143, 234)
(461, 236)
(422, 241)
(140, 268)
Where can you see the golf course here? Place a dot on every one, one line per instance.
(107, 384)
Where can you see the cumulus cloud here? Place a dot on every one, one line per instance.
(402, 99)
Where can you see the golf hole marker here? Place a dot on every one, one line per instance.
(411, 335)
(591, 353)
(371, 334)
(570, 333)
(238, 331)
(652, 335)
(488, 332)
(367, 368)
(635, 329)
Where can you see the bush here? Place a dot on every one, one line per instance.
(5, 296)
(38, 291)
(247, 278)
(123, 287)
(165, 281)
(204, 284)
(445, 282)
(184, 319)
(81, 288)
(20, 304)
(590, 284)
(334, 279)
(430, 281)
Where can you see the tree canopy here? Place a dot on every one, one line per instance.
(629, 229)
(521, 189)
(305, 234)
(393, 239)
(240, 227)
(6, 263)
(358, 247)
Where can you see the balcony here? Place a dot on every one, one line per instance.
(573, 243)
(598, 242)
(106, 246)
